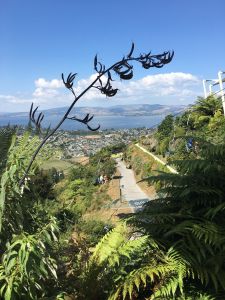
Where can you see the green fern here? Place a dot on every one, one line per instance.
(115, 245)
(116, 254)
(190, 217)
(163, 274)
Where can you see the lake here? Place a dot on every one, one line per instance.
(106, 122)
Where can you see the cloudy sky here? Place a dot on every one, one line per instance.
(41, 39)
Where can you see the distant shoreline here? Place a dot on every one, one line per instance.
(106, 122)
(117, 117)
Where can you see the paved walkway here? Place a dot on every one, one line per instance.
(131, 192)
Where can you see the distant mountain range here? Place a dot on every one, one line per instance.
(117, 110)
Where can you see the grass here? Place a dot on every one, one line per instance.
(117, 155)
(84, 160)
(63, 165)
(60, 165)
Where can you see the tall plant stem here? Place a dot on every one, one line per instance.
(76, 98)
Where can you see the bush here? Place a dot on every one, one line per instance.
(147, 169)
(163, 146)
(66, 218)
(136, 163)
(94, 230)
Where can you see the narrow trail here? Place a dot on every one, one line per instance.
(131, 192)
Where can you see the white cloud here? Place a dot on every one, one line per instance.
(170, 84)
(92, 93)
(169, 79)
(49, 84)
(47, 88)
(168, 88)
(161, 86)
(14, 99)
(45, 93)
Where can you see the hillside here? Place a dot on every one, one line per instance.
(121, 110)
(61, 229)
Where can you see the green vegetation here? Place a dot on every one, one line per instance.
(188, 220)
(183, 252)
(62, 165)
(24, 244)
(53, 248)
(40, 220)
(143, 165)
(174, 136)
(163, 134)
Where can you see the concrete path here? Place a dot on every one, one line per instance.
(131, 192)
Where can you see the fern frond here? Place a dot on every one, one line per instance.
(136, 278)
(212, 212)
(109, 243)
(117, 244)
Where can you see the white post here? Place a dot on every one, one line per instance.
(210, 89)
(221, 88)
(204, 87)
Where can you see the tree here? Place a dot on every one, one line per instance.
(163, 134)
(165, 128)
(207, 106)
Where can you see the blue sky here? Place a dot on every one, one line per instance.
(42, 38)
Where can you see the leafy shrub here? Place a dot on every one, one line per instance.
(136, 163)
(147, 169)
(66, 218)
(163, 146)
(94, 230)
(26, 265)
